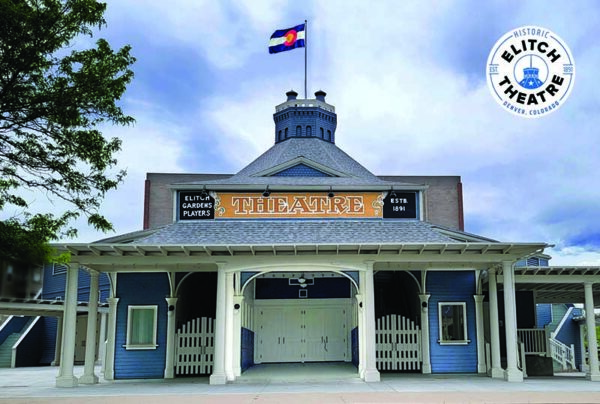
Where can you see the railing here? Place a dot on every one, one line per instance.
(534, 340)
(562, 353)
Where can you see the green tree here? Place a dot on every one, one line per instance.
(54, 100)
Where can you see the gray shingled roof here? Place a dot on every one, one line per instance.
(311, 149)
(278, 232)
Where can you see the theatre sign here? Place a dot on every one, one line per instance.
(198, 205)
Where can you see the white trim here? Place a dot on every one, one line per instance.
(441, 341)
(131, 346)
(562, 321)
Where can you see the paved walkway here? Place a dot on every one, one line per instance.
(298, 384)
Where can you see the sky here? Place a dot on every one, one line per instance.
(408, 82)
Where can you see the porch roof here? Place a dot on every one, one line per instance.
(558, 284)
(41, 307)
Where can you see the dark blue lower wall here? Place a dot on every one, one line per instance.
(247, 348)
(141, 289)
(354, 341)
(456, 286)
(48, 341)
(29, 350)
(13, 325)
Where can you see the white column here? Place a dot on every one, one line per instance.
(481, 368)
(109, 367)
(584, 367)
(170, 348)
(361, 326)
(229, 327)
(89, 376)
(593, 373)
(58, 344)
(424, 298)
(65, 376)
(497, 371)
(218, 375)
(512, 372)
(102, 342)
(238, 303)
(371, 374)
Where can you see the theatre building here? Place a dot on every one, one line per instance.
(303, 256)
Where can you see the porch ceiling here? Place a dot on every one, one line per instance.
(557, 284)
(174, 257)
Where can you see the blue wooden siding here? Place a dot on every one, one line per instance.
(29, 351)
(569, 334)
(458, 286)
(48, 340)
(54, 285)
(13, 325)
(141, 289)
(247, 348)
(543, 314)
(354, 339)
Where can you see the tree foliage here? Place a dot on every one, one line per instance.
(54, 101)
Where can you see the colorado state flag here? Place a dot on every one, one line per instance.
(287, 39)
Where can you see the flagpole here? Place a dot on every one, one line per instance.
(305, 54)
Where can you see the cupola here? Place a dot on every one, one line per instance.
(305, 118)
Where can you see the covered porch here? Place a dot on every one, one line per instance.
(229, 261)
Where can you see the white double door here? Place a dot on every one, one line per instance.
(299, 331)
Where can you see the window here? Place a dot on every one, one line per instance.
(141, 327)
(308, 131)
(298, 130)
(452, 323)
(286, 133)
(322, 133)
(58, 269)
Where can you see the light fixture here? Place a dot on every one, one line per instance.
(330, 194)
(302, 281)
(266, 192)
(204, 192)
(393, 193)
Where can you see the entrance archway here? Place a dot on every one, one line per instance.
(299, 317)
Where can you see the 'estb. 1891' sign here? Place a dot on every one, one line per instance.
(400, 205)
(196, 205)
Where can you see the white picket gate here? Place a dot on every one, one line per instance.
(195, 347)
(398, 343)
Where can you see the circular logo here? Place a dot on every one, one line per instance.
(530, 71)
(290, 37)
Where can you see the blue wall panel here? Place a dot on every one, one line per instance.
(30, 348)
(569, 334)
(354, 339)
(544, 314)
(48, 341)
(54, 285)
(141, 289)
(247, 348)
(457, 286)
(14, 325)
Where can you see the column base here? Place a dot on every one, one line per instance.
(66, 381)
(497, 373)
(108, 375)
(237, 372)
(481, 368)
(593, 377)
(169, 373)
(426, 369)
(88, 379)
(217, 378)
(371, 376)
(513, 375)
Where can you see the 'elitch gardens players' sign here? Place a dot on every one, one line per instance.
(195, 205)
(198, 205)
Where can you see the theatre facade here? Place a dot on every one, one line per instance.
(302, 256)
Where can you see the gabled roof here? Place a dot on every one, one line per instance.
(321, 155)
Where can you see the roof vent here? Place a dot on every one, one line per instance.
(320, 95)
(291, 95)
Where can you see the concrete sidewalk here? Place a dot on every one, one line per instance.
(298, 384)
